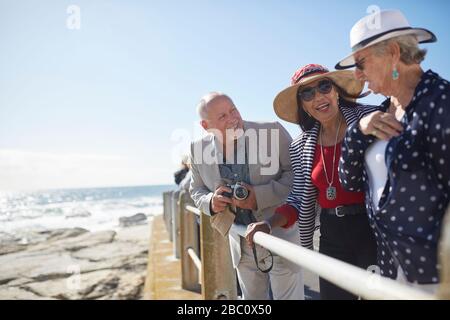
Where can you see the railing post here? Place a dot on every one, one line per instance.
(444, 258)
(176, 224)
(218, 275)
(167, 203)
(189, 239)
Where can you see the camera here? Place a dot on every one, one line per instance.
(238, 191)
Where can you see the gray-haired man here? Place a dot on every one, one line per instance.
(255, 155)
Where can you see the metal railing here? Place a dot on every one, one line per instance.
(206, 262)
(360, 282)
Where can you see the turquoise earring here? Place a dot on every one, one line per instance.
(395, 74)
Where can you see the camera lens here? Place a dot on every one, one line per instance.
(240, 192)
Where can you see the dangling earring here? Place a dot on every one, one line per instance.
(395, 74)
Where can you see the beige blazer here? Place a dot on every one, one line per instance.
(272, 182)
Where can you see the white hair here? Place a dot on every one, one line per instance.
(202, 107)
(410, 53)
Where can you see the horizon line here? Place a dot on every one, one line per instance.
(79, 188)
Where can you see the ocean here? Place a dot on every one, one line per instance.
(93, 209)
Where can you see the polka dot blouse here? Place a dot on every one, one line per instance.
(407, 221)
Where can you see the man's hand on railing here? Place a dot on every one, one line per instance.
(255, 227)
(220, 202)
(277, 220)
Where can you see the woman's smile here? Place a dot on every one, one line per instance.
(323, 107)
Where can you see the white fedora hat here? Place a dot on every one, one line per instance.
(380, 26)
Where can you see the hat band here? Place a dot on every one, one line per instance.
(365, 42)
(311, 73)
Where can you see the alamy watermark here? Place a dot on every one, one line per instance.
(73, 21)
(373, 20)
(73, 282)
(254, 147)
(374, 279)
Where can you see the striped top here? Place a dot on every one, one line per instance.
(303, 195)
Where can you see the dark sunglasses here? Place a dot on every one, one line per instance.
(308, 93)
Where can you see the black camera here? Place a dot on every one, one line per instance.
(238, 191)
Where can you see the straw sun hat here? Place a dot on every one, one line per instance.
(285, 103)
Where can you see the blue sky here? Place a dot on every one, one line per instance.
(104, 105)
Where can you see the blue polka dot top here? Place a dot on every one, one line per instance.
(407, 221)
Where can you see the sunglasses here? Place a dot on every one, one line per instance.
(308, 93)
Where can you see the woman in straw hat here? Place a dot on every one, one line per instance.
(400, 154)
(322, 103)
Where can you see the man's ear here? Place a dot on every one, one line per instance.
(204, 124)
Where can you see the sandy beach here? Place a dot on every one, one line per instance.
(76, 264)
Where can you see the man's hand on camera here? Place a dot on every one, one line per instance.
(250, 202)
(220, 202)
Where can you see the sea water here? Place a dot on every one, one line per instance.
(93, 209)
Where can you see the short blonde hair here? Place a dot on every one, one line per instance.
(410, 53)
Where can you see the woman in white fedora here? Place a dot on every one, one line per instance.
(400, 154)
(321, 103)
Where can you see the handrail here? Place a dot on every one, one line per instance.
(364, 283)
(194, 210)
(189, 241)
(356, 280)
(202, 240)
(218, 278)
(195, 259)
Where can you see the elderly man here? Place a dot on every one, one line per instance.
(254, 155)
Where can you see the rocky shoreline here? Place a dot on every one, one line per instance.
(75, 264)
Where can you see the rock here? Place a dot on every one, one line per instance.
(136, 219)
(74, 286)
(19, 294)
(11, 248)
(19, 282)
(52, 259)
(118, 285)
(23, 239)
(39, 266)
(137, 234)
(85, 240)
(77, 264)
(6, 237)
(65, 233)
(106, 251)
(130, 286)
(103, 288)
(78, 212)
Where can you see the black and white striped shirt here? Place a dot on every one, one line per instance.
(303, 195)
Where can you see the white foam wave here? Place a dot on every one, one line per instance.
(103, 214)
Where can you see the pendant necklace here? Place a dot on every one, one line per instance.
(331, 190)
